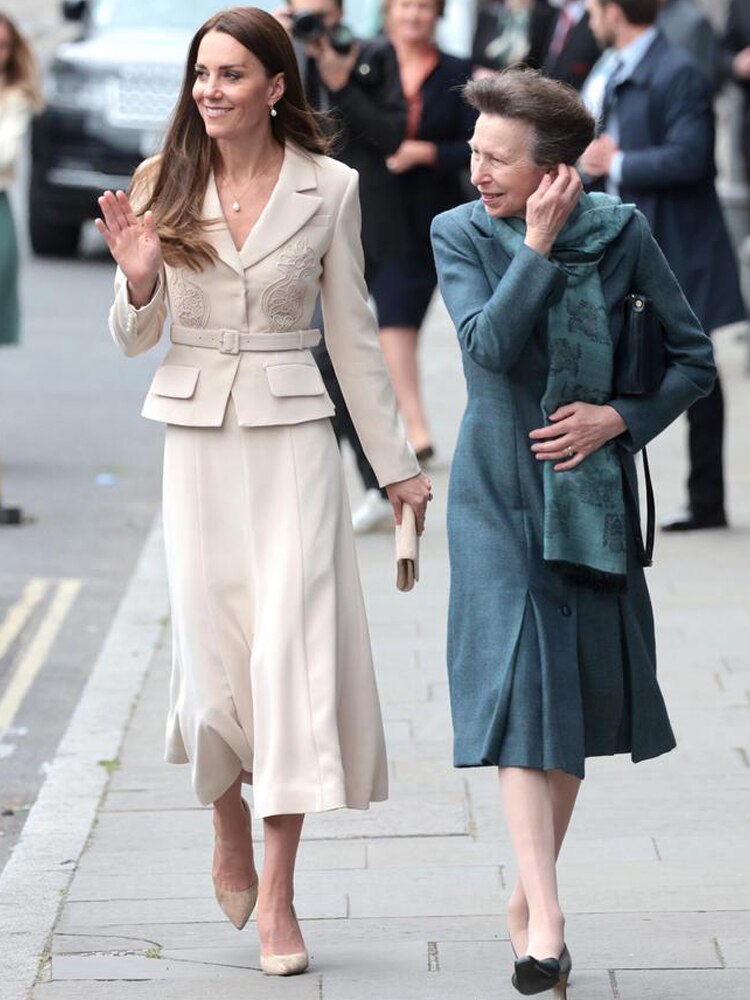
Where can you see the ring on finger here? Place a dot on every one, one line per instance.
(570, 451)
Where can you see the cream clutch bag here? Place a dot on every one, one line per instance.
(407, 550)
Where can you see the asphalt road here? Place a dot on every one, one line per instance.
(85, 468)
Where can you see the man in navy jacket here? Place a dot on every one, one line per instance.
(656, 149)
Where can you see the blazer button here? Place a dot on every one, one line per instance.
(565, 611)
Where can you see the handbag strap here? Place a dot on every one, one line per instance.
(648, 551)
(645, 549)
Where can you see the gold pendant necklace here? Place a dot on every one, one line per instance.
(236, 206)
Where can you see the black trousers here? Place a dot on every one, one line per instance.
(343, 425)
(706, 447)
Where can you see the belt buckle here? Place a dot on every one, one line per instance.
(229, 342)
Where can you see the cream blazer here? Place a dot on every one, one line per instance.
(15, 116)
(305, 243)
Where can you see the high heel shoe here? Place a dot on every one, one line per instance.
(285, 965)
(532, 975)
(237, 904)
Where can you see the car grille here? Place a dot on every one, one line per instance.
(144, 95)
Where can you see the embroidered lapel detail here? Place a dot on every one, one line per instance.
(288, 209)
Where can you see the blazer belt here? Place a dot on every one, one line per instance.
(234, 341)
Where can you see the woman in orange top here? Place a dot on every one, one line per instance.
(429, 164)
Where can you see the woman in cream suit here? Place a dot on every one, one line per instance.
(238, 227)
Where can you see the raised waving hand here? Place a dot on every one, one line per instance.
(134, 244)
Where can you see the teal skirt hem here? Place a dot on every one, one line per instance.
(9, 308)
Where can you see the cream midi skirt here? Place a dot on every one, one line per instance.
(272, 670)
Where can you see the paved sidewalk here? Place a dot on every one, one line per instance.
(406, 901)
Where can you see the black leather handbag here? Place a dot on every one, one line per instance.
(640, 363)
(640, 356)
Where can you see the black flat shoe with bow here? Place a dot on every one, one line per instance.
(532, 975)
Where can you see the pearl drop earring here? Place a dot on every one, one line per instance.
(274, 112)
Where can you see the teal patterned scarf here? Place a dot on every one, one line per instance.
(584, 507)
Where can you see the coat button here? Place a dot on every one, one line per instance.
(565, 611)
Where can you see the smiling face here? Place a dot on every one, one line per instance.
(502, 165)
(232, 90)
(412, 22)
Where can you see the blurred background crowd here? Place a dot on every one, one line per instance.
(387, 73)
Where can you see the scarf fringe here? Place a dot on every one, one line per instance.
(595, 579)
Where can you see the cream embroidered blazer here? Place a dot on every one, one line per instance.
(305, 243)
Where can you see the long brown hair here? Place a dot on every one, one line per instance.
(21, 70)
(178, 177)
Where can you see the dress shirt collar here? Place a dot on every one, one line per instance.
(632, 55)
(574, 8)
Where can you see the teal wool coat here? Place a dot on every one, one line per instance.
(545, 672)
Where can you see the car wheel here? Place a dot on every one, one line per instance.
(50, 239)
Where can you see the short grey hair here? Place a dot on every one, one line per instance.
(562, 125)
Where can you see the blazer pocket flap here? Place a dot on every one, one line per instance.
(175, 381)
(295, 380)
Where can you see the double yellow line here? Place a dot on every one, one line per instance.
(33, 657)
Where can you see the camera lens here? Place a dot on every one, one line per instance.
(308, 27)
(341, 38)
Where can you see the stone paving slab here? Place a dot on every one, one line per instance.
(297, 988)
(80, 916)
(138, 936)
(314, 855)
(659, 984)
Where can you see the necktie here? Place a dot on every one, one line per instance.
(562, 30)
(610, 93)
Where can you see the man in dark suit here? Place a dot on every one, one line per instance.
(561, 40)
(737, 63)
(657, 150)
(361, 90)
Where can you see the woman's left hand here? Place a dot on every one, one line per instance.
(417, 492)
(335, 68)
(412, 153)
(576, 431)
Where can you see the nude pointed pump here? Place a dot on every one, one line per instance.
(237, 904)
(285, 965)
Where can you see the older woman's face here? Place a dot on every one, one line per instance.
(412, 21)
(502, 166)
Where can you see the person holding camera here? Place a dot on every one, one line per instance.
(357, 84)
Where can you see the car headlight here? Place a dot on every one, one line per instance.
(72, 90)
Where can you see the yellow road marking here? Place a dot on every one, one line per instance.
(19, 614)
(33, 658)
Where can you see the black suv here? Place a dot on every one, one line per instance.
(109, 96)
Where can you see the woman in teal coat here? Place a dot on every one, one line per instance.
(551, 637)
